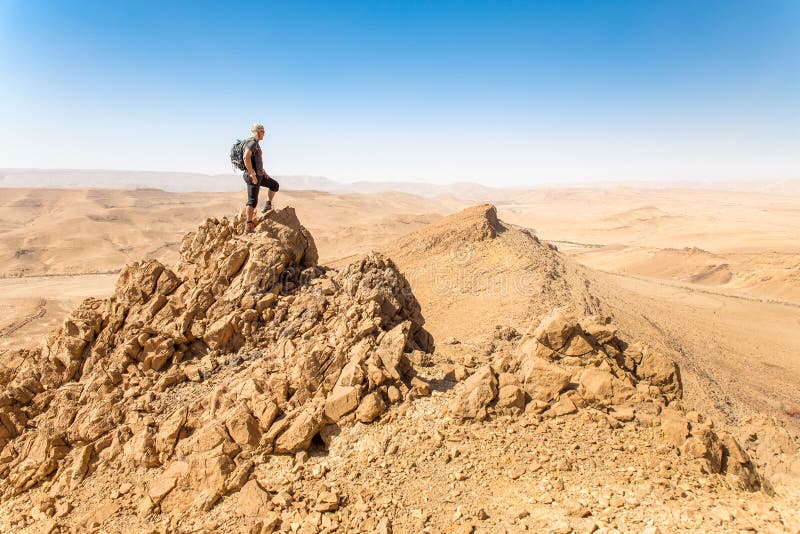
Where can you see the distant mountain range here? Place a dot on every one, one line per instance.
(180, 181)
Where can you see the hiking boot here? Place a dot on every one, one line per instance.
(267, 207)
(249, 227)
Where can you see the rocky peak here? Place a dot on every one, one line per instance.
(246, 346)
(472, 225)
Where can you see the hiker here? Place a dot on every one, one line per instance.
(255, 177)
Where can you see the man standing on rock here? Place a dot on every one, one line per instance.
(255, 177)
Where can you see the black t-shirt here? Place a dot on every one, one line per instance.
(255, 159)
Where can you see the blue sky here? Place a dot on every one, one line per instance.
(511, 93)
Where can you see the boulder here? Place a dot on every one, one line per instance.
(674, 427)
(252, 500)
(595, 386)
(478, 392)
(169, 431)
(564, 406)
(420, 387)
(600, 329)
(341, 401)
(141, 449)
(264, 409)
(243, 427)
(219, 332)
(704, 444)
(371, 406)
(738, 465)
(661, 371)
(512, 398)
(160, 488)
(391, 348)
(300, 431)
(555, 330)
(541, 379)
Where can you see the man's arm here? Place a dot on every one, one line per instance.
(248, 163)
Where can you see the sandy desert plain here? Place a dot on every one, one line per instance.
(709, 275)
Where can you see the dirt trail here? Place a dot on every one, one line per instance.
(689, 288)
(39, 311)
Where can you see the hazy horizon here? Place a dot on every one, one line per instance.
(228, 182)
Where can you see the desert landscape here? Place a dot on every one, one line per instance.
(522, 267)
(478, 360)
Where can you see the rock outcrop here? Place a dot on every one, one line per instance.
(564, 365)
(245, 347)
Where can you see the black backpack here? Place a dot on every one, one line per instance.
(237, 154)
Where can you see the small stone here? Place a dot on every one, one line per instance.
(460, 475)
(420, 514)
(420, 387)
(63, 508)
(327, 501)
(564, 465)
(622, 413)
(617, 501)
(48, 526)
(460, 373)
(160, 487)
(144, 507)
(520, 513)
(516, 472)
(393, 394)
(575, 509)
(283, 499)
(563, 407)
(723, 514)
(561, 526)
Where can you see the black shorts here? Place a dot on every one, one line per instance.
(252, 189)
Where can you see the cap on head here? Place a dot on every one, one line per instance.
(254, 129)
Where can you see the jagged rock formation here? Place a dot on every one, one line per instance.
(564, 365)
(245, 347)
